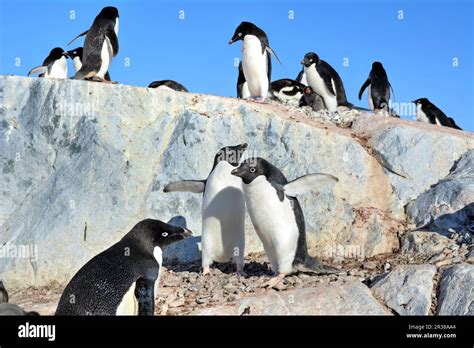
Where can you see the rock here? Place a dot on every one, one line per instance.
(448, 206)
(82, 162)
(426, 245)
(415, 158)
(350, 298)
(470, 256)
(370, 265)
(407, 289)
(177, 303)
(456, 290)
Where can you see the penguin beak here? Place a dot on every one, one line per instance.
(235, 172)
(231, 41)
(186, 233)
(302, 62)
(244, 146)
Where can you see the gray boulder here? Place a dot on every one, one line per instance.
(456, 290)
(407, 289)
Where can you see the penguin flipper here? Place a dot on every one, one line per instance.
(364, 86)
(145, 295)
(78, 36)
(110, 33)
(196, 186)
(307, 183)
(38, 70)
(272, 52)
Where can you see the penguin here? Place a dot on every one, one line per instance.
(8, 309)
(54, 66)
(3, 293)
(76, 57)
(256, 59)
(301, 77)
(379, 88)
(325, 81)
(277, 216)
(311, 99)
(427, 112)
(287, 90)
(122, 279)
(100, 45)
(223, 209)
(242, 86)
(169, 85)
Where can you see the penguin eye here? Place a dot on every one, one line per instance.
(310, 60)
(165, 234)
(252, 169)
(240, 34)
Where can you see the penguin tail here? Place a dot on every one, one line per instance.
(311, 265)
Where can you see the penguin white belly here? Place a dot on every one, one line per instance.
(59, 69)
(223, 217)
(77, 64)
(317, 84)
(165, 88)
(158, 255)
(254, 64)
(421, 116)
(106, 57)
(288, 99)
(371, 102)
(274, 222)
(245, 91)
(129, 303)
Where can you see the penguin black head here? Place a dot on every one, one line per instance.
(308, 90)
(57, 53)
(377, 65)
(77, 52)
(158, 233)
(251, 168)
(310, 58)
(422, 101)
(245, 28)
(231, 154)
(109, 12)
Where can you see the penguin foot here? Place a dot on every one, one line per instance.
(206, 270)
(105, 81)
(274, 281)
(260, 100)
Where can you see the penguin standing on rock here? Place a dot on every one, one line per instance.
(76, 56)
(256, 59)
(379, 88)
(277, 216)
(54, 66)
(223, 209)
(325, 81)
(100, 45)
(122, 279)
(427, 112)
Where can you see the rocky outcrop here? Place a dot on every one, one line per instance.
(82, 162)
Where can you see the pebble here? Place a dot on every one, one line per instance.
(177, 303)
(387, 267)
(370, 265)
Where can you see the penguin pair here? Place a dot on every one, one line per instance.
(94, 59)
(255, 71)
(123, 279)
(427, 112)
(10, 308)
(272, 205)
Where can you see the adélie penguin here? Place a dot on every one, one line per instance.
(277, 215)
(378, 88)
(223, 209)
(76, 56)
(256, 59)
(54, 65)
(100, 46)
(287, 90)
(325, 81)
(427, 112)
(168, 85)
(122, 279)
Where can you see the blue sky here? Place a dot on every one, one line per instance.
(417, 51)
